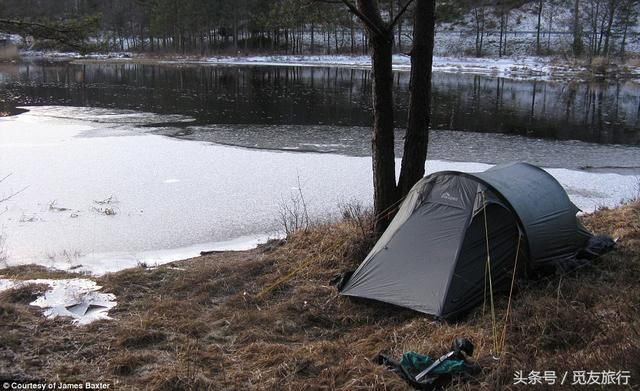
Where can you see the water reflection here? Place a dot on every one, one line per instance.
(601, 112)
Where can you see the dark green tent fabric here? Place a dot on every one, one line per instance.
(432, 256)
(547, 215)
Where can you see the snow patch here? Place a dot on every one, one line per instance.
(77, 298)
(519, 67)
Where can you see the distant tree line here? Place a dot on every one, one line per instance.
(596, 27)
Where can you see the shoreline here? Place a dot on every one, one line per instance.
(517, 67)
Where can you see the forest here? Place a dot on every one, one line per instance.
(210, 27)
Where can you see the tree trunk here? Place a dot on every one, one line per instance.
(365, 44)
(235, 30)
(353, 38)
(612, 9)
(601, 29)
(624, 40)
(594, 32)
(476, 15)
(328, 40)
(312, 37)
(391, 15)
(400, 35)
(538, 49)
(276, 39)
(383, 145)
(506, 32)
(550, 28)
(385, 192)
(501, 33)
(142, 36)
(417, 136)
(577, 33)
(286, 40)
(480, 20)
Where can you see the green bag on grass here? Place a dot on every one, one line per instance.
(415, 363)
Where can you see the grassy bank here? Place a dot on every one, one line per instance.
(268, 319)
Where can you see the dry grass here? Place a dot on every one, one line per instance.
(268, 319)
(32, 272)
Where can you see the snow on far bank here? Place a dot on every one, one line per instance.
(53, 54)
(529, 67)
(77, 298)
(515, 67)
(518, 67)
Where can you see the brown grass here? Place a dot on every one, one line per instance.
(32, 272)
(268, 319)
(23, 294)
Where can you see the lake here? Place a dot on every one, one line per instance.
(605, 112)
(194, 158)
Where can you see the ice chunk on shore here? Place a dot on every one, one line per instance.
(77, 298)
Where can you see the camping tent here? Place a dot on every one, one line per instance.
(432, 257)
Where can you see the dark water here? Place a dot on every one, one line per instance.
(604, 112)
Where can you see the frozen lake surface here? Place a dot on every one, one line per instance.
(103, 192)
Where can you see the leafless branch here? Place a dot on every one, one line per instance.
(70, 33)
(402, 11)
(7, 198)
(294, 214)
(23, 24)
(369, 23)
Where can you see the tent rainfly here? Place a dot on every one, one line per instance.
(433, 256)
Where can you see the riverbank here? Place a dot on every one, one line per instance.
(519, 67)
(268, 318)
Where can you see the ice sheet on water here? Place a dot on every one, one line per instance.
(106, 115)
(107, 262)
(178, 197)
(491, 148)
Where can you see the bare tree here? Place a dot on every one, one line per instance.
(577, 30)
(479, 19)
(538, 26)
(612, 8)
(626, 18)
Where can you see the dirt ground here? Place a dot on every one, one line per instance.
(268, 318)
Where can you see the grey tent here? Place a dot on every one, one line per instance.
(432, 256)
